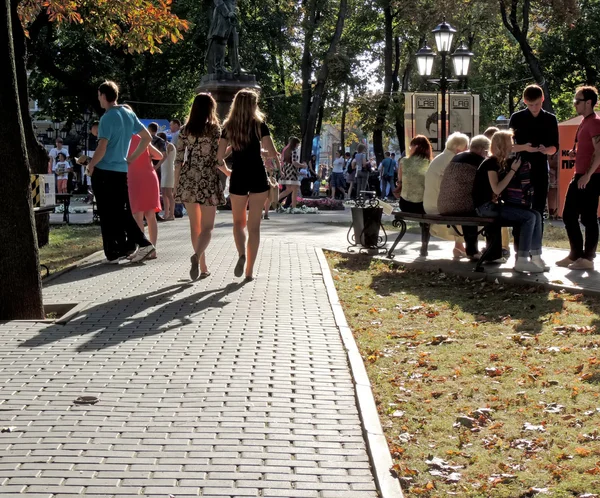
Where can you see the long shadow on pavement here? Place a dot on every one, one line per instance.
(127, 319)
(82, 272)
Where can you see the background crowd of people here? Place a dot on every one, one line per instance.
(505, 175)
(499, 174)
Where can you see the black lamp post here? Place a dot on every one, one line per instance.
(443, 34)
(82, 129)
(50, 133)
(57, 131)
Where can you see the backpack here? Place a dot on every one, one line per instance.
(519, 192)
(349, 168)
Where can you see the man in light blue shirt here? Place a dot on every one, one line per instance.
(386, 175)
(121, 236)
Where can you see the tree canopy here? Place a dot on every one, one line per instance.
(155, 50)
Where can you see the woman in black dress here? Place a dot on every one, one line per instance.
(246, 132)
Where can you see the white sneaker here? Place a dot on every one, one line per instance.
(540, 262)
(142, 253)
(115, 261)
(524, 266)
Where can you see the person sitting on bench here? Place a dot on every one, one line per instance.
(457, 185)
(411, 175)
(495, 195)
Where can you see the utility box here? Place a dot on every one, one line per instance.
(43, 190)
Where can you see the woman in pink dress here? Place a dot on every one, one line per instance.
(144, 189)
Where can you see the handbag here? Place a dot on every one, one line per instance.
(519, 192)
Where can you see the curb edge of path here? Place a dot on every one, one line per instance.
(377, 447)
(87, 259)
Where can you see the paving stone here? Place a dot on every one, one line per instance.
(216, 388)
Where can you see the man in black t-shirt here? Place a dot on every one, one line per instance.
(536, 138)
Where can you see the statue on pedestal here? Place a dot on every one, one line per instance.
(222, 37)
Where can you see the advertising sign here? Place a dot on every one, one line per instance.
(426, 121)
(163, 126)
(461, 112)
(422, 116)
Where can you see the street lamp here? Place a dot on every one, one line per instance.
(50, 133)
(425, 58)
(444, 34)
(64, 132)
(461, 58)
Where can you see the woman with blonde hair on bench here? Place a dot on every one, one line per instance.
(489, 195)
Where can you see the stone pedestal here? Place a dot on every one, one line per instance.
(224, 87)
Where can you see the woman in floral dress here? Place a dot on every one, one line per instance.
(290, 172)
(196, 178)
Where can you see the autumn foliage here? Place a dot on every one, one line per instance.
(136, 25)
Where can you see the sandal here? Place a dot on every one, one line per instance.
(194, 271)
(204, 274)
(239, 267)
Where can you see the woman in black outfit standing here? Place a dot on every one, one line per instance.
(246, 132)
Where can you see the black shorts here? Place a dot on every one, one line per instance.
(253, 181)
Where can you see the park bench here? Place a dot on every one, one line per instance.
(65, 200)
(400, 219)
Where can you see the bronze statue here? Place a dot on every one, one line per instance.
(223, 35)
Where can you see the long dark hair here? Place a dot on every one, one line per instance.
(202, 117)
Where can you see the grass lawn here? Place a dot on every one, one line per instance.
(69, 243)
(483, 390)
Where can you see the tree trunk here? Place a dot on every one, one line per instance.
(343, 124)
(21, 289)
(322, 76)
(306, 67)
(520, 33)
(320, 118)
(397, 96)
(384, 103)
(38, 157)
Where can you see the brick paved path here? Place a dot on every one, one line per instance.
(213, 389)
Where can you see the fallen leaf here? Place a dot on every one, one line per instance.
(530, 427)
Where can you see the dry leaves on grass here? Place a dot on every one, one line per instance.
(441, 352)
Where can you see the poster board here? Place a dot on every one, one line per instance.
(422, 113)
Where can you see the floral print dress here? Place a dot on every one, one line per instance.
(198, 179)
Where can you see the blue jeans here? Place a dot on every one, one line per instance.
(387, 186)
(529, 222)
